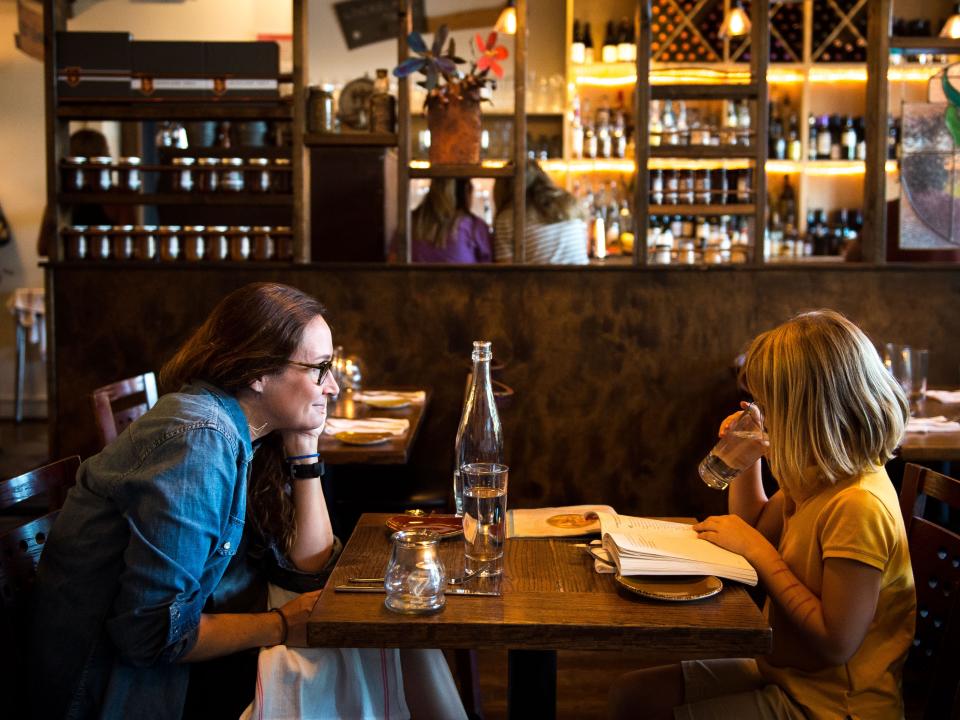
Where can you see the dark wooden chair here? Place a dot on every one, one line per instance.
(117, 405)
(932, 672)
(20, 549)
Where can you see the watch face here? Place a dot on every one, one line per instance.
(305, 472)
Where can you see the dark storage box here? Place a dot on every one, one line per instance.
(93, 64)
(243, 69)
(164, 68)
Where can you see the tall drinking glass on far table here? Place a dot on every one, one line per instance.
(908, 365)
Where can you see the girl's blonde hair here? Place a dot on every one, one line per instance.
(830, 407)
(545, 201)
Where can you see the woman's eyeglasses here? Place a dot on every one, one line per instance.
(321, 369)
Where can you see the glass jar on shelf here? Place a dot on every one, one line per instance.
(168, 240)
(99, 175)
(283, 242)
(231, 174)
(218, 242)
(75, 242)
(281, 178)
(98, 242)
(208, 175)
(258, 175)
(145, 242)
(182, 175)
(121, 241)
(129, 177)
(194, 243)
(72, 175)
(239, 242)
(263, 243)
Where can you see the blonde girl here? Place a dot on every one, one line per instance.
(829, 545)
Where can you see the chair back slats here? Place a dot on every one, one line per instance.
(932, 669)
(53, 479)
(19, 554)
(117, 405)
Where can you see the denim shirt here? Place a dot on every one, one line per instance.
(140, 549)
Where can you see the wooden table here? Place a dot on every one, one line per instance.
(396, 451)
(935, 446)
(552, 600)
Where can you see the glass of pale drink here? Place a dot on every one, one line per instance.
(740, 447)
(484, 517)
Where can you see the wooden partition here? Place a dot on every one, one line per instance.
(621, 375)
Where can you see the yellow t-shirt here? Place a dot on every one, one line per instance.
(859, 520)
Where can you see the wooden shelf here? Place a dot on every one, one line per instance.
(703, 92)
(175, 110)
(461, 171)
(701, 209)
(706, 152)
(212, 199)
(350, 139)
(949, 46)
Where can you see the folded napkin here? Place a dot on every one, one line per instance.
(945, 396)
(932, 424)
(417, 396)
(394, 426)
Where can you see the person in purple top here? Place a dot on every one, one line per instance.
(443, 230)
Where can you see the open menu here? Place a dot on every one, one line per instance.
(644, 546)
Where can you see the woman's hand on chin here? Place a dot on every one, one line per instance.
(301, 442)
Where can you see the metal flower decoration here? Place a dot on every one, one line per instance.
(442, 78)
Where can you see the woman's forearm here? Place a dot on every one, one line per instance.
(224, 634)
(313, 543)
(746, 496)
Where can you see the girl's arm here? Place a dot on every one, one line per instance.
(834, 624)
(313, 542)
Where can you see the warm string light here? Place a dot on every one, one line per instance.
(507, 22)
(614, 77)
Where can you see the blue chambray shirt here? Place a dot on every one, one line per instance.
(149, 537)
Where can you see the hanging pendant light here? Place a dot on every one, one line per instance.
(736, 23)
(507, 22)
(951, 28)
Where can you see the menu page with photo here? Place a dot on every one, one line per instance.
(644, 546)
(567, 521)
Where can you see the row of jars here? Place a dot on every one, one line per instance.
(172, 243)
(184, 174)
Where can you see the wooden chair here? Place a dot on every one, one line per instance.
(932, 672)
(20, 549)
(53, 480)
(117, 405)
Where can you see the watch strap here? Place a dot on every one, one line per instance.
(305, 471)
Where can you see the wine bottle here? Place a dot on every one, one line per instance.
(588, 55)
(577, 50)
(609, 51)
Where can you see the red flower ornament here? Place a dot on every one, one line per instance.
(490, 53)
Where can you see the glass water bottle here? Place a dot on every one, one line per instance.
(479, 437)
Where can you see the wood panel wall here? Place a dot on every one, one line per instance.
(621, 376)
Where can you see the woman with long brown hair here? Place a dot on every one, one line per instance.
(443, 230)
(161, 556)
(554, 231)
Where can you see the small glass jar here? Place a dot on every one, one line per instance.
(121, 241)
(231, 174)
(98, 242)
(739, 253)
(182, 177)
(168, 240)
(239, 242)
(712, 255)
(193, 242)
(145, 242)
(320, 112)
(208, 177)
(129, 177)
(688, 253)
(415, 577)
(283, 243)
(662, 254)
(99, 174)
(282, 176)
(72, 176)
(75, 242)
(264, 247)
(218, 242)
(258, 175)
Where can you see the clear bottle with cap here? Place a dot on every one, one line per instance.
(479, 436)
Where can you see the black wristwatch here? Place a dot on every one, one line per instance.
(305, 472)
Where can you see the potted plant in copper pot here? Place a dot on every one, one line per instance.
(453, 97)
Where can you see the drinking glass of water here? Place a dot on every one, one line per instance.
(738, 449)
(908, 365)
(484, 517)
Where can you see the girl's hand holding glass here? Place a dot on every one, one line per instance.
(742, 442)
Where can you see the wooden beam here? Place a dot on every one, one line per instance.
(873, 239)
